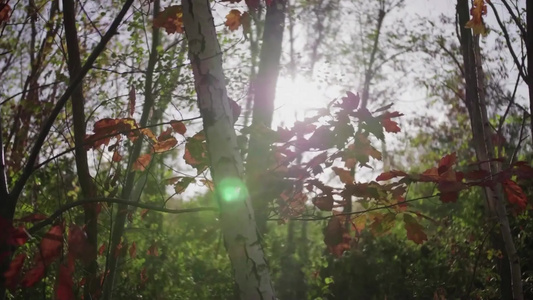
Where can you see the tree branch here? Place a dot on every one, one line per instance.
(34, 153)
(74, 204)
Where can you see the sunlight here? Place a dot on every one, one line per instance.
(298, 98)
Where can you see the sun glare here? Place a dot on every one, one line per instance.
(297, 98)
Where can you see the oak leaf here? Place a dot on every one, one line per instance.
(415, 231)
(178, 126)
(142, 162)
(165, 145)
(171, 18)
(515, 194)
(233, 19)
(479, 9)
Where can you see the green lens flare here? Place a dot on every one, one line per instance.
(232, 189)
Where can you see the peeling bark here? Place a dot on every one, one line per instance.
(237, 220)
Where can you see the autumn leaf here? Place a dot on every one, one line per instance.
(479, 9)
(5, 10)
(182, 184)
(78, 244)
(477, 175)
(344, 175)
(153, 250)
(34, 275)
(350, 102)
(149, 134)
(32, 218)
(446, 163)
(389, 175)
(12, 275)
(131, 101)
(165, 145)
(415, 231)
(101, 250)
(165, 135)
(65, 283)
(390, 126)
(171, 18)
(382, 224)
(51, 244)
(324, 203)
(178, 126)
(233, 19)
(359, 223)
(142, 162)
(116, 156)
(515, 194)
(133, 250)
(143, 213)
(333, 232)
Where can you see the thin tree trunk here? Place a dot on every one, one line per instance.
(241, 238)
(529, 46)
(264, 90)
(475, 101)
(127, 190)
(88, 188)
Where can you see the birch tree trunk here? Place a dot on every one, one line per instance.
(238, 225)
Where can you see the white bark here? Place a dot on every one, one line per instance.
(237, 218)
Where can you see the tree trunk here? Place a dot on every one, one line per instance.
(88, 188)
(529, 47)
(264, 93)
(475, 102)
(128, 189)
(241, 238)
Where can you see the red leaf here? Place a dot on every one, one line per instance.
(333, 232)
(165, 145)
(131, 101)
(171, 18)
(391, 126)
(515, 194)
(133, 250)
(350, 102)
(415, 231)
(142, 162)
(165, 135)
(51, 244)
(153, 250)
(32, 218)
(116, 156)
(477, 175)
(344, 175)
(178, 126)
(5, 11)
(65, 282)
(143, 213)
(78, 244)
(101, 250)
(33, 275)
(446, 163)
(12, 275)
(324, 203)
(389, 175)
(144, 277)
